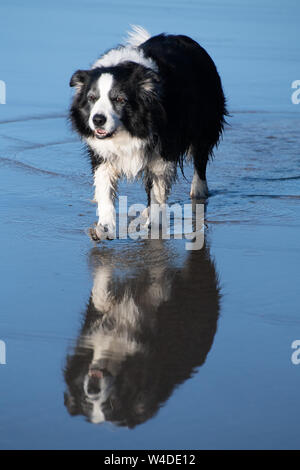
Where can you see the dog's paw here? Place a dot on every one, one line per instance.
(146, 213)
(101, 232)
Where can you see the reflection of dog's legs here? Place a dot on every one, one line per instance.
(160, 286)
(101, 294)
(160, 277)
(105, 181)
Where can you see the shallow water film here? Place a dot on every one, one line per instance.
(144, 344)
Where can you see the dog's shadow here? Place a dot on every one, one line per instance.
(148, 325)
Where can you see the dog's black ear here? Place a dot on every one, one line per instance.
(79, 78)
(146, 80)
(150, 82)
(71, 405)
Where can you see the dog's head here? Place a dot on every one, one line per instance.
(111, 99)
(115, 389)
(90, 384)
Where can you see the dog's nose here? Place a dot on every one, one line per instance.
(99, 120)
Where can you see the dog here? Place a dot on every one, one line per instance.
(143, 333)
(141, 109)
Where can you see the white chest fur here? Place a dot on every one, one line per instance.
(126, 154)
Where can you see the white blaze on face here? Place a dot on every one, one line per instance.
(103, 105)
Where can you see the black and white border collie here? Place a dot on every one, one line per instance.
(141, 109)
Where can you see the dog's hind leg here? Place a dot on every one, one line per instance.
(148, 181)
(199, 189)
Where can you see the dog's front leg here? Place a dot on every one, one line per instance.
(159, 178)
(105, 182)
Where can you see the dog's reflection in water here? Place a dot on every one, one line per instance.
(149, 323)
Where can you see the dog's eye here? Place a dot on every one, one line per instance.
(120, 99)
(92, 98)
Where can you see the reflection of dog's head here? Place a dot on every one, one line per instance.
(142, 335)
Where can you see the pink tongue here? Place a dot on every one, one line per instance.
(100, 131)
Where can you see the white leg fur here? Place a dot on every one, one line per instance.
(199, 189)
(105, 181)
(163, 174)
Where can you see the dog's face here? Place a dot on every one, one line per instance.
(112, 390)
(91, 386)
(110, 99)
(102, 101)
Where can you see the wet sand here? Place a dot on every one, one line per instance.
(209, 365)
